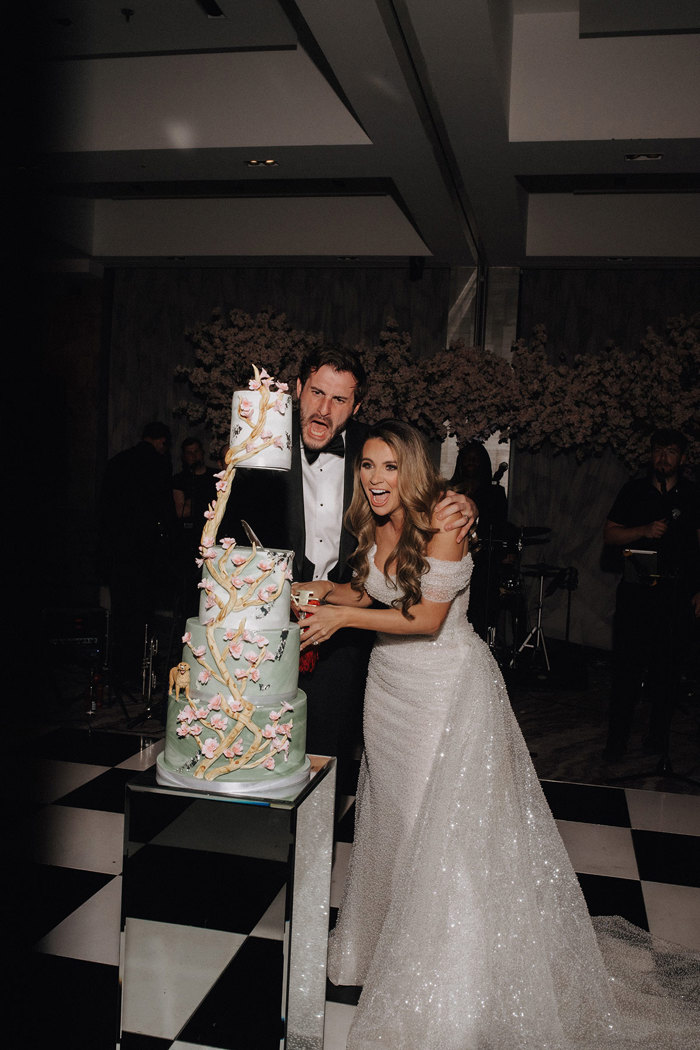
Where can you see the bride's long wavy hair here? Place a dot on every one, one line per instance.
(419, 488)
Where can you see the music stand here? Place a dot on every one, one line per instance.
(537, 633)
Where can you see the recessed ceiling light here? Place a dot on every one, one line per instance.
(644, 156)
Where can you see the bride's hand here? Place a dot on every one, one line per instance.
(320, 623)
(319, 589)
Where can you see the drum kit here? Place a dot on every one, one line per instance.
(507, 553)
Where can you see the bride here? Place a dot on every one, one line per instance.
(462, 917)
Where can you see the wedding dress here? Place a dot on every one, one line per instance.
(462, 917)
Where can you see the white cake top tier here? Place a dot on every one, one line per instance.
(267, 446)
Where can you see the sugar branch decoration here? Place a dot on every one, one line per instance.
(243, 579)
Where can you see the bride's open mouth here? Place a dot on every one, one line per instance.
(378, 497)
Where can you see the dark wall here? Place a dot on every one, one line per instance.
(111, 346)
(583, 309)
(68, 312)
(154, 306)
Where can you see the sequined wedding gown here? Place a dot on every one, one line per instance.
(462, 917)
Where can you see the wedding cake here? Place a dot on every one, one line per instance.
(236, 721)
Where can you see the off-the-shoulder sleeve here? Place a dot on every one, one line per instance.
(445, 579)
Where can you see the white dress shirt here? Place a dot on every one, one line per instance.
(323, 483)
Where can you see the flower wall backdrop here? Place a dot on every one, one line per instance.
(613, 399)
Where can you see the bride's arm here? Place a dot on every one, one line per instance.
(333, 593)
(426, 617)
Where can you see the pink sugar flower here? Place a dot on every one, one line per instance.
(280, 405)
(251, 446)
(236, 705)
(230, 633)
(266, 434)
(236, 651)
(235, 751)
(221, 486)
(239, 559)
(274, 716)
(251, 656)
(210, 602)
(253, 384)
(219, 722)
(227, 542)
(215, 703)
(269, 763)
(204, 677)
(267, 655)
(201, 712)
(195, 730)
(285, 728)
(248, 636)
(186, 715)
(209, 514)
(208, 541)
(269, 732)
(209, 747)
(199, 651)
(240, 675)
(249, 579)
(265, 565)
(254, 675)
(286, 706)
(245, 408)
(236, 582)
(183, 730)
(277, 442)
(187, 637)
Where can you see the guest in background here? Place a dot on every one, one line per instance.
(655, 519)
(194, 488)
(474, 477)
(137, 515)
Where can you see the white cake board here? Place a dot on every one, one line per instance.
(271, 788)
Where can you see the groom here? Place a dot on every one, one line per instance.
(302, 510)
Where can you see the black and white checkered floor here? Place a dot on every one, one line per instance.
(637, 853)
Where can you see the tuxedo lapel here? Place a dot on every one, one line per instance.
(296, 527)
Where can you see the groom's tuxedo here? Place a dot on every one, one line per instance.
(272, 502)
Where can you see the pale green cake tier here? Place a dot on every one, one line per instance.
(258, 585)
(262, 661)
(282, 745)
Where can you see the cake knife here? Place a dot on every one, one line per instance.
(251, 535)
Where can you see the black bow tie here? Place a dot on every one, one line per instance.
(336, 447)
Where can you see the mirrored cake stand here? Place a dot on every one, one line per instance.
(225, 914)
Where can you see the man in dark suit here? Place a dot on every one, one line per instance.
(302, 509)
